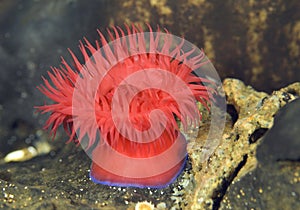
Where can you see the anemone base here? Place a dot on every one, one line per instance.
(101, 176)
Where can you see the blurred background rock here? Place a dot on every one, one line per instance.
(255, 41)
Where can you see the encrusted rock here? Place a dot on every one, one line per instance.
(235, 155)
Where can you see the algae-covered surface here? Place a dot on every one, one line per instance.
(256, 163)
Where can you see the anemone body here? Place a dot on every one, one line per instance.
(126, 100)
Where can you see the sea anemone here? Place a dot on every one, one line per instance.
(126, 101)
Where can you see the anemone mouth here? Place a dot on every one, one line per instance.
(131, 91)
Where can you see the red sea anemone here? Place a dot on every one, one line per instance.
(126, 100)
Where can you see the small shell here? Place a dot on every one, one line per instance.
(39, 148)
(21, 155)
(145, 205)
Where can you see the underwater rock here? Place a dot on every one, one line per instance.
(254, 114)
(277, 176)
(60, 178)
(282, 143)
(256, 41)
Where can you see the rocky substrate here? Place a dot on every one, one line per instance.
(255, 164)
